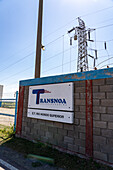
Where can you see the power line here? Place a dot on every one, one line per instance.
(16, 73)
(57, 54)
(104, 26)
(105, 40)
(105, 65)
(54, 40)
(97, 11)
(59, 66)
(77, 18)
(104, 61)
(17, 61)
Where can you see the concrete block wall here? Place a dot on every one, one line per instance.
(65, 136)
(72, 137)
(103, 119)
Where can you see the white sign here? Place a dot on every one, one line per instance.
(59, 116)
(53, 97)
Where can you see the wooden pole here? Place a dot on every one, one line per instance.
(39, 41)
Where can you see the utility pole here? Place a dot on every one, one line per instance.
(81, 34)
(39, 41)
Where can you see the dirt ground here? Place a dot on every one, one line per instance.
(7, 120)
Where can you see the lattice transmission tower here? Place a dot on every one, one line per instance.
(83, 36)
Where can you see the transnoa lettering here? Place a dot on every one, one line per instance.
(59, 101)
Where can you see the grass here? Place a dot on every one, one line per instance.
(10, 105)
(6, 132)
(62, 160)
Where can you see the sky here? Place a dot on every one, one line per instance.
(18, 33)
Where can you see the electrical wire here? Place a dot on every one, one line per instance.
(104, 61)
(57, 54)
(77, 18)
(104, 26)
(105, 65)
(18, 61)
(59, 66)
(16, 74)
(97, 11)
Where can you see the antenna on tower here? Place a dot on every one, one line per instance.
(81, 34)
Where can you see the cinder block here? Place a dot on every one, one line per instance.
(58, 125)
(110, 110)
(34, 132)
(37, 126)
(68, 126)
(72, 134)
(99, 124)
(106, 149)
(30, 125)
(107, 133)
(44, 127)
(107, 117)
(80, 142)
(77, 108)
(80, 83)
(96, 147)
(99, 139)
(76, 95)
(109, 81)
(82, 109)
(24, 111)
(73, 147)
(110, 142)
(100, 155)
(62, 131)
(53, 129)
(68, 140)
(95, 89)
(96, 102)
(82, 122)
(80, 129)
(27, 129)
(107, 102)
(82, 95)
(82, 136)
(81, 150)
(98, 95)
(80, 89)
(98, 82)
(59, 138)
(99, 109)
(96, 131)
(110, 158)
(80, 115)
(110, 95)
(49, 123)
(41, 133)
(76, 121)
(106, 88)
(41, 122)
(34, 121)
(80, 102)
(96, 116)
(24, 123)
(110, 125)
(23, 133)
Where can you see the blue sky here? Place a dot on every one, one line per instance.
(18, 28)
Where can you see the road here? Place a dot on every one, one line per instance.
(10, 159)
(7, 120)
